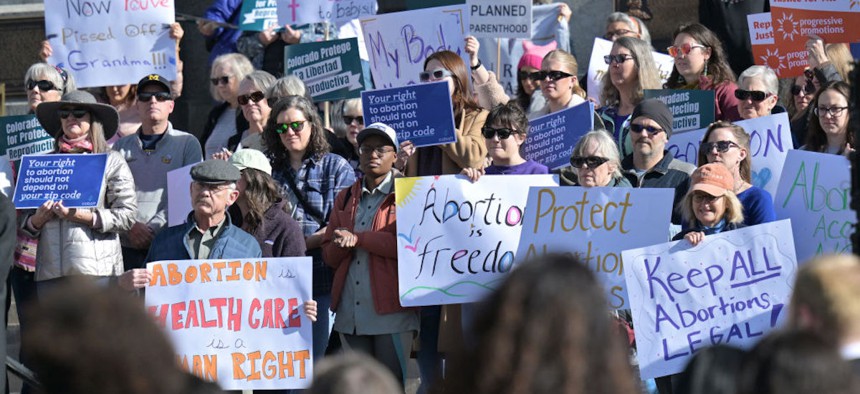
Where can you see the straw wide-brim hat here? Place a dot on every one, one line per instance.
(49, 117)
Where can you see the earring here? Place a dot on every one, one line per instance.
(706, 69)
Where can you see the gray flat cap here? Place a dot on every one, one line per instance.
(215, 171)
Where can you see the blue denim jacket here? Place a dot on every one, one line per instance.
(232, 243)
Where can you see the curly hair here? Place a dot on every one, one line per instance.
(462, 98)
(718, 66)
(816, 139)
(317, 146)
(743, 139)
(648, 76)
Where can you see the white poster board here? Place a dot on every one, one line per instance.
(299, 12)
(597, 66)
(500, 18)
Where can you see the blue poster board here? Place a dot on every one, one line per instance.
(552, 137)
(75, 179)
(430, 123)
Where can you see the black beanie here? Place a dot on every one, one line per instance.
(657, 111)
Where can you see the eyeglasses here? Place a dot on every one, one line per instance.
(832, 111)
(296, 127)
(618, 33)
(349, 119)
(254, 97)
(220, 80)
(503, 133)
(637, 128)
(436, 74)
(590, 161)
(552, 75)
(44, 85)
(521, 75)
(618, 59)
(77, 113)
(756, 95)
(159, 96)
(699, 198)
(380, 150)
(684, 49)
(213, 188)
(722, 146)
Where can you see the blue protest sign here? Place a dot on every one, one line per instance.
(552, 137)
(430, 124)
(330, 69)
(75, 179)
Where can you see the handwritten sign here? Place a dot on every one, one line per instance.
(331, 70)
(691, 109)
(596, 224)
(75, 179)
(297, 12)
(730, 289)
(815, 193)
(239, 322)
(398, 43)
(785, 60)
(597, 67)
(111, 42)
(179, 195)
(258, 15)
(431, 123)
(23, 135)
(552, 137)
(456, 239)
(495, 19)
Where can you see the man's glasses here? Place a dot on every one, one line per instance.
(590, 161)
(756, 95)
(637, 128)
(617, 59)
(44, 85)
(77, 113)
(832, 111)
(436, 75)
(220, 80)
(159, 96)
(684, 49)
(552, 75)
(503, 133)
(722, 146)
(380, 150)
(349, 119)
(255, 97)
(296, 127)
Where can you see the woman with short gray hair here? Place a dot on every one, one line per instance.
(595, 162)
(758, 92)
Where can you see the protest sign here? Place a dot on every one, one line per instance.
(815, 193)
(730, 289)
(76, 180)
(108, 42)
(552, 137)
(179, 195)
(456, 239)
(238, 322)
(834, 21)
(258, 15)
(500, 18)
(596, 224)
(298, 12)
(7, 176)
(23, 135)
(398, 43)
(431, 123)
(691, 109)
(331, 70)
(784, 60)
(597, 66)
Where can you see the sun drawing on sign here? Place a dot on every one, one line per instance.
(787, 26)
(774, 61)
(404, 190)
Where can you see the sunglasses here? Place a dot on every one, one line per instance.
(722, 146)
(220, 80)
(832, 111)
(159, 96)
(255, 97)
(436, 74)
(618, 59)
(77, 113)
(618, 33)
(590, 161)
(637, 128)
(43, 85)
(349, 119)
(503, 133)
(296, 127)
(521, 75)
(797, 90)
(756, 95)
(684, 49)
(552, 75)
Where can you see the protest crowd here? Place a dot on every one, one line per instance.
(508, 219)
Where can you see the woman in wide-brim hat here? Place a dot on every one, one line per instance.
(83, 241)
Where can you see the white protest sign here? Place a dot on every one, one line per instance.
(815, 193)
(597, 224)
(238, 322)
(456, 239)
(111, 42)
(179, 195)
(597, 66)
(7, 176)
(298, 12)
(730, 289)
(498, 18)
(398, 43)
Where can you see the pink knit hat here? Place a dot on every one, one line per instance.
(533, 54)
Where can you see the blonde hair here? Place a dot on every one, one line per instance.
(841, 58)
(647, 74)
(568, 62)
(239, 63)
(734, 209)
(829, 286)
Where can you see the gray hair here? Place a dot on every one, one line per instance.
(606, 147)
(636, 25)
(288, 85)
(239, 63)
(765, 74)
(261, 79)
(39, 71)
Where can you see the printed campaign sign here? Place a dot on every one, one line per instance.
(597, 67)
(832, 20)
(258, 15)
(500, 18)
(431, 123)
(110, 42)
(398, 43)
(239, 322)
(691, 109)
(596, 224)
(552, 137)
(297, 12)
(456, 239)
(815, 193)
(76, 180)
(179, 195)
(730, 289)
(23, 135)
(784, 60)
(331, 70)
